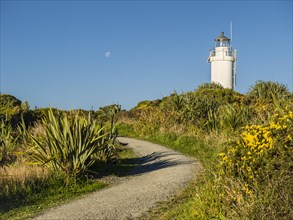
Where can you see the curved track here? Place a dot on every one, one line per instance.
(160, 174)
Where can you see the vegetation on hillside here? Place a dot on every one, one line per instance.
(243, 141)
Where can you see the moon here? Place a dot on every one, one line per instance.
(107, 54)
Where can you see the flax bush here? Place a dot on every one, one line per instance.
(69, 144)
(232, 118)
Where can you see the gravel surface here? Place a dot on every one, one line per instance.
(161, 173)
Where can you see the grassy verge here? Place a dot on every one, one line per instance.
(192, 202)
(249, 177)
(188, 204)
(36, 195)
(204, 149)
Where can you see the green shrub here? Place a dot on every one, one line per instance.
(8, 143)
(233, 118)
(268, 90)
(9, 101)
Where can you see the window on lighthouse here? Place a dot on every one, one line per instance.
(222, 44)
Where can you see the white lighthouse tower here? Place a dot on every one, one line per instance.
(223, 62)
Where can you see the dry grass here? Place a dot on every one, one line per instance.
(19, 174)
(38, 129)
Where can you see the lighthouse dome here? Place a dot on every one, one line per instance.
(222, 37)
(222, 41)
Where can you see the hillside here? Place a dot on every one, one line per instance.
(243, 141)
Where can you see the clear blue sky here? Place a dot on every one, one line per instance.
(84, 54)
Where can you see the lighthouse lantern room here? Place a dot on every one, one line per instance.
(223, 62)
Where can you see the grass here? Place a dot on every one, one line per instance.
(204, 148)
(33, 195)
(40, 196)
(219, 194)
(120, 168)
(193, 202)
(188, 204)
(199, 148)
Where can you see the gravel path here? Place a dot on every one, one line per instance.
(161, 173)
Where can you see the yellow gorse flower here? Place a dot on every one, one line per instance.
(249, 159)
(257, 139)
(255, 142)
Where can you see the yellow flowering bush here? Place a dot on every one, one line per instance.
(257, 146)
(245, 158)
(256, 169)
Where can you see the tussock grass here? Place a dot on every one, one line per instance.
(17, 175)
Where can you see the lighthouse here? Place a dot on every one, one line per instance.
(223, 62)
